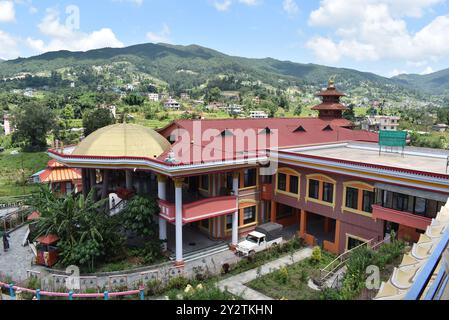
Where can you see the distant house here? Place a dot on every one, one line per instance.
(153, 97)
(258, 115)
(185, 96)
(28, 93)
(256, 100)
(234, 109)
(441, 127)
(111, 108)
(7, 125)
(172, 104)
(213, 106)
(384, 123)
(61, 179)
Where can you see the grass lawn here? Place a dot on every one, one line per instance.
(17, 169)
(291, 282)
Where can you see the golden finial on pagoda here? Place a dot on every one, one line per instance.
(332, 82)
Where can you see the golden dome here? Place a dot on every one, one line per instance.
(123, 140)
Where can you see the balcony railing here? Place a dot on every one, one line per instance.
(400, 217)
(200, 210)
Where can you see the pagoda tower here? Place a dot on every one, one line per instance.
(331, 107)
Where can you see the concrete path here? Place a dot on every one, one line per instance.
(236, 284)
(17, 260)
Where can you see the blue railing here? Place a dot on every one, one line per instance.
(417, 290)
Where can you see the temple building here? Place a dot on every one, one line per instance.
(222, 178)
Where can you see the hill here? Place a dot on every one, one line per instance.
(187, 67)
(434, 83)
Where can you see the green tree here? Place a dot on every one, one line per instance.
(33, 121)
(298, 110)
(140, 217)
(97, 119)
(270, 107)
(134, 100)
(86, 233)
(213, 94)
(68, 112)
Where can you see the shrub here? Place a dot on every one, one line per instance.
(282, 275)
(154, 287)
(330, 294)
(207, 293)
(177, 283)
(316, 255)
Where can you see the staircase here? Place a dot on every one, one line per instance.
(332, 274)
(203, 253)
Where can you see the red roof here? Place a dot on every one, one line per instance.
(315, 131)
(331, 92)
(330, 106)
(34, 216)
(57, 172)
(48, 240)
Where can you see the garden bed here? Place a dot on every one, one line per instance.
(291, 282)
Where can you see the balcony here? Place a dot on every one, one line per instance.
(267, 191)
(402, 218)
(199, 210)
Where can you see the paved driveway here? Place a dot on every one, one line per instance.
(17, 260)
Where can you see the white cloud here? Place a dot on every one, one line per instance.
(376, 29)
(63, 37)
(7, 11)
(225, 5)
(428, 70)
(249, 2)
(222, 5)
(396, 72)
(8, 46)
(290, 7)
(161, 36)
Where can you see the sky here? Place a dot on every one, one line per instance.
(387, 37)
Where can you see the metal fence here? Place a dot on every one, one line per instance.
(16, 291)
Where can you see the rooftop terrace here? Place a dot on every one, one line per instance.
(418, 159)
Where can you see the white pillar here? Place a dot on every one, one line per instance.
(235, 216)
(178, 206)
(162, 195)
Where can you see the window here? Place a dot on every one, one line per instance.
(359, 197)
(314, 189)
(249, 178)
(57, 187)
(282, 182)
(368, 201)
(321, 189)
(288, 182)
(68, 188)
(328, 192)
(249, 215)
(420, 206)
(354, 243)
(204, 182)
(352, 196)
(411, 204)
(294, 184)
(400, 201)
